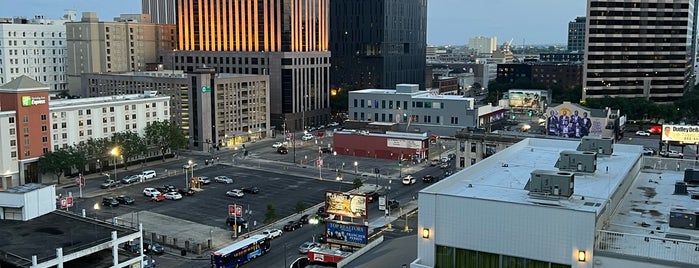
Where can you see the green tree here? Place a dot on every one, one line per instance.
(339, 103)
(76, 159)
(130, 145)
(357, 183)
(301, 207)
(55, 162)
(165, 135)
(270, 215)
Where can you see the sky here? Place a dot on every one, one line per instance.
(449, 22)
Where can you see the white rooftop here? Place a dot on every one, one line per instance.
(107, 99)
(490, 179)
(415, 95)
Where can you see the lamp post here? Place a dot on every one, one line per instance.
(98, 164)
(186, 180)
(356, 170)
(115, 153)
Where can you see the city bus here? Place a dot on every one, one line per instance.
(240, 252)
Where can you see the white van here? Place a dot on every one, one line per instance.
(148, 174)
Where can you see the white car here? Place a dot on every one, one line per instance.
(188, 166)
(307, 137)
(272, 233)
(305, 247)
(223, 179)
(203, 180)
(235, 193)
(409, 179)
(642, 133)
(148, 174)
(279, 144)
(173, 196)
(150, 192)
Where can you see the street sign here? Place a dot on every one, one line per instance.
(66, 202)
(319, 162)
(235, 210)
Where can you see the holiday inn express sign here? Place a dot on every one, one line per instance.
(33, 100)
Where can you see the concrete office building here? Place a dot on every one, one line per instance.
(414, 110)
(126, 44)
(269, 37)
(37, 48)
(33, 125)
(640, 49)
(161, 11)
(482, 44)
(560, 203)
(576, 34)
(378, 44)
(237, 112)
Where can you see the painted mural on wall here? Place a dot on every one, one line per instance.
(570, 121)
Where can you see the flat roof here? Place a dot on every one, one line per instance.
(491, 179)
(419, 94)
(25, 188)
(107, 99)
(41, 236)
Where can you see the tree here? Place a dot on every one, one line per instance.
(54, 162)
(76, 159)
(165, 135)
(357, 183)
(301, 207)
(130, 145)
(270, 215)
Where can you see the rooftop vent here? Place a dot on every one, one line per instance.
(602, 146)
(680, 188)
(691, 176)
(549, 183)
(576, 161)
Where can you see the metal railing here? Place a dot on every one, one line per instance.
(647, 247)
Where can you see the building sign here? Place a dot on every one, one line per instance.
(527, 99)
(399, 143)
(346, 234)
(33, 100)
(348, 205)
(683, 134)
(205, 89)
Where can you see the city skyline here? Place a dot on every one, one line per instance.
(537, 21)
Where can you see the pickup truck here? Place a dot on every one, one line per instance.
(671, 154)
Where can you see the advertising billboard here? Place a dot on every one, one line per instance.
(527, 99)
(353, 235)
(344, 204)
(683, 134)
(571, 122)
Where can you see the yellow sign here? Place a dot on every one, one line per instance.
(348, 205)
(683, 134)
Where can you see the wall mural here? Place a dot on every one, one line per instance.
(571, 122)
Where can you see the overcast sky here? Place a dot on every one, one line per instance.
(449, 22)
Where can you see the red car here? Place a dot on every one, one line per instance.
(158, 198)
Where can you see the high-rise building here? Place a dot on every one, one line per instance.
(482, 44)
(124, 45)
(576, 34)
(287, 40)
(35, 47)
(161, 11)
(378, 44)
(639, 49)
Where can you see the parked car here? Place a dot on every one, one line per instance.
(157, 198)
(109, 183)
(154, 248)
(292, 225)
(322, 213)
(250, 190)
(648, 151)
(188, 192)
(168, 188)
(148, 262)
(204, 180)
(326, 150)
(282, 150)
(132, 247)
(235, 193)
(304, 219)
(148, 174)
(444, 159)
(173, 196)
(408, 180)
(434, 162)
(672, 154)
(279, 144)
(223, 179)
(372, 196)
(110, 202)
(130, 179)
(307, 246)
(642, 133)
(392, 204)
(307, 137)
(230, 221)
(272, 233)
(150, 192)
(126, 200)
(188, 166)
(429, 179)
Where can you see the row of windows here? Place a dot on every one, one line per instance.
(644, 14)
(640, 40)
(413, 118)
(24, 34)
(636, 31)
(389, 104)
(447, 257)
(36, 42)
(640, 22)
(637, 5)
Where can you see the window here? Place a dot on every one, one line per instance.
(454, 120)
(355, 103)
(12, 131)
(80, 123)
(13, 154)
(26, 131)
(63, 125)
(82, 133)
(26, 142)
(64, 136)
(89, 122)
(88, 111)
(473, 147)
(43, 117)
(25, 119)
(390, 104)
(89, 132)
(44, 139)
(80, 112)
(44, 128)
(383, 104)
(13, 143)
(111, 109)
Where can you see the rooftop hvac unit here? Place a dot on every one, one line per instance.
(551, 183)
(683, 218)
(602, 146)
(680, 188)
(691, 176)
(576, 161)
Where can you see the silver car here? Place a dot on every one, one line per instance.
(305, 247)
(223, 179)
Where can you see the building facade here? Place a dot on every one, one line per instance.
(482, 44)
(639, 49)
(161, 11)
(37, 48)
(550, 74)
(270, 37)
(124, 45)
(235, 108)
(576, 34)
(378, 44)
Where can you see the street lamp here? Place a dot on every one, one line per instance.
(186, 180)
(356, 171)
(115, 153)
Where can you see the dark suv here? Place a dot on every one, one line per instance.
(240, 221)
(392, 204)
(292, 225)
(282, 150)
(304, 219)
(110, 202)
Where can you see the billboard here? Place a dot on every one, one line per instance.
(400, 143)
(346, 234)
(569, 122)
(527, 99)
(683, 134)
(344, 204)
